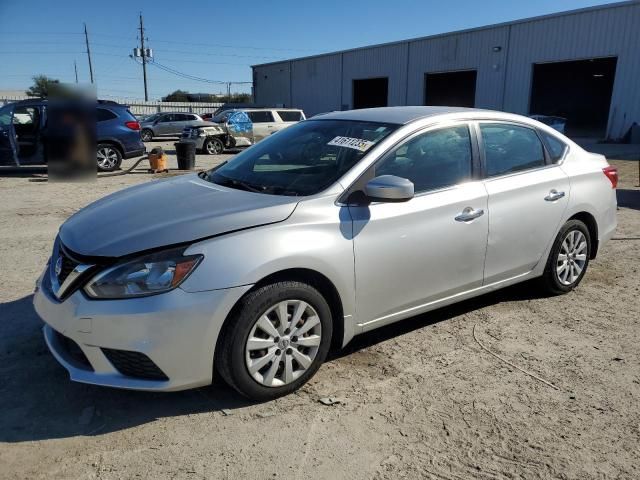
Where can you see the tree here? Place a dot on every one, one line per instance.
(43, 87)
(235, 98)
(177, 96)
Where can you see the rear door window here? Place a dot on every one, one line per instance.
(261, 116)
(510, 148)
(290, 116)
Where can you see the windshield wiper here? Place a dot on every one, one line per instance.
(239, 184)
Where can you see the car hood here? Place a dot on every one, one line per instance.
(168, 212)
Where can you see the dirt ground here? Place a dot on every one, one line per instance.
(419, 399)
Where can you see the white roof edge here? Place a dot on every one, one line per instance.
(605, 6)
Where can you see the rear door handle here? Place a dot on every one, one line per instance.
(469, 214)
(554, 195)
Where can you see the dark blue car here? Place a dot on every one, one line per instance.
(22, 125)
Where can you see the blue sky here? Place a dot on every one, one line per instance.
(218, 40)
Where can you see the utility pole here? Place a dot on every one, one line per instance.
(86, 39)
(75, 67)
(144, 59)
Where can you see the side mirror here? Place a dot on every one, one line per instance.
(389, 188)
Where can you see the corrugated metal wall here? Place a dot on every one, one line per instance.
(316, 83)
(465, 51)
(596, 33)
(272, 84)
(388, 61)
(324, 83)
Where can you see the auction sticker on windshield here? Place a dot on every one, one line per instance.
(348, 142)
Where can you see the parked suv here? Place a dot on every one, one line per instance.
(240, 127)
(22, 130)
(167, 124)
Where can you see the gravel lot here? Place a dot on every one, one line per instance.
(419, 399)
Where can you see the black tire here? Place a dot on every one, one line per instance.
(550, 280)
(213, 146)
(109, 157)
(146, 135)
(230, 352)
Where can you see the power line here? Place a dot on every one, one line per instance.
(172, 42)
(191, 77)
(232, 46)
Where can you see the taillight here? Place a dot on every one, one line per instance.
(132, 125)
(612, 174)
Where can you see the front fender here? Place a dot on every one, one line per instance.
(317, 237)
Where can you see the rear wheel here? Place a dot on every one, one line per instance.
(109, 157)
(276, 340)
(213, 146)
(568, 259)
(146, 135)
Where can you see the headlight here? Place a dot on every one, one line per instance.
(146, 275)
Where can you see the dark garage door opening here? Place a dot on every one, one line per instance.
(370, 92)
(451, 89)
(579, 91)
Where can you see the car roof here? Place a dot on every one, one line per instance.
(403, 115)
(187, 113)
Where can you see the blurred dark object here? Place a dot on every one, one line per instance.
(186, 153)
(70, 140)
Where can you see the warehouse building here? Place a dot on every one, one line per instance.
(583, 65)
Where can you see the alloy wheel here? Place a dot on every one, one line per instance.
(283, 343)
(572, 257)
(146, 136)
(107, 158)
(214, 147)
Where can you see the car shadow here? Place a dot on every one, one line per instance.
(519, 292)
(628, 198)
(40, 402)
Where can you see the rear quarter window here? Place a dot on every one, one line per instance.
(289, 116)
(261, 116)
(556, 147)
(102, 115)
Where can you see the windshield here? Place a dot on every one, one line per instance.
(301, 160)
(151, 118)
(221, 117)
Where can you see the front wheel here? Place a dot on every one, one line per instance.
(213, 146)
(568, 259)
(277, 339)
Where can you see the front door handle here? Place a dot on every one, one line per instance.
(554, 195)
(469, 214)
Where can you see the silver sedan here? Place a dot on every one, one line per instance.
(336, 226)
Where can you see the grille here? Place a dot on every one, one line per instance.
(134, 364)
(67, 266)
(73, 352)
